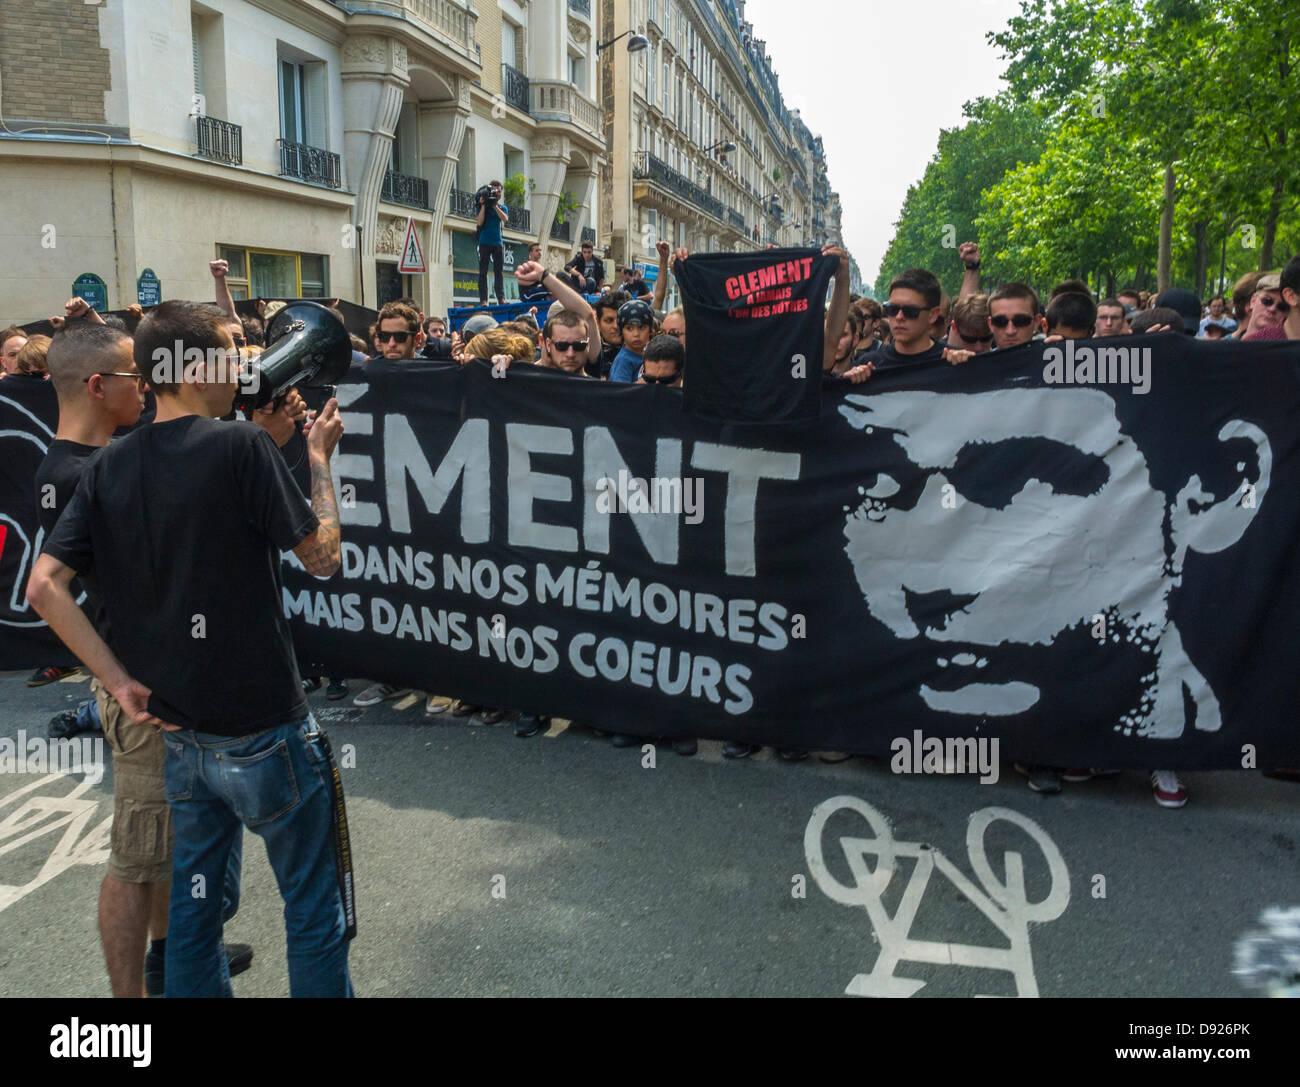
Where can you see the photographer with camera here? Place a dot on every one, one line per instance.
(491, 214)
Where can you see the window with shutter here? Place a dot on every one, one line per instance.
(315, 129)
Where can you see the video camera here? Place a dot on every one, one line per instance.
(486, 196)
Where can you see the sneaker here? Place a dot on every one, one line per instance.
(311, 684)
(437, 703)
(530, 724)
(239, 957)
(792, 754)
(379, 692)
(734, 749)
(686, 747)
(51, 674)
(337, 689)
(67, 723)
(1042, 779)
(1168, 791)
(835, 756)
(491, 715)
(622, 739)
(461, 708)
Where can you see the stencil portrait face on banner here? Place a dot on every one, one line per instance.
(1014, 527)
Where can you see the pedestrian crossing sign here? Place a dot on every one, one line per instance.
(412, 261)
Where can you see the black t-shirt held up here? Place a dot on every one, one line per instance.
(184, 523)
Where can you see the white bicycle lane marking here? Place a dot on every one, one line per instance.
(1006, 905)
(42, 808)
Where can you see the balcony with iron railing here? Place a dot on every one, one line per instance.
(514, 87)
(800, 186)
(446, 21)
(736, 219)
(411, 192)
(588, 235)
(220, 140)
(647, 167)
(519, 219)
(562, 231)
(313, 164)
(553, 100)
(461, 204)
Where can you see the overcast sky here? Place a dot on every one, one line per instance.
(894, 73)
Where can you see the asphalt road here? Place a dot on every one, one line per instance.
(561, 866)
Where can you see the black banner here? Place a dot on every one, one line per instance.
(1084, 551)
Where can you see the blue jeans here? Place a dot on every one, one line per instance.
(88, 716)
(275, 783)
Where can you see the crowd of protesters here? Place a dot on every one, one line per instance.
(624, 335)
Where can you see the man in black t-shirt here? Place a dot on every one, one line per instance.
(589, 267)
(183, 523)
(634, 285)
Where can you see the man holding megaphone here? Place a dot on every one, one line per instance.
(183, 523)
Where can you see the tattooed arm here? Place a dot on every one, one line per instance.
(320, 552)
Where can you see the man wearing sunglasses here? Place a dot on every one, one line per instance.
(969, 327)
(665, 362)
(397, 332)
(914, 301)
(1272, 311)
(1013, 315)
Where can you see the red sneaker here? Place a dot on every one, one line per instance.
(53, 673)
(1168, 791)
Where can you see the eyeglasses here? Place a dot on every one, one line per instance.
(396, 337)
(893, 309)
(1020, 320)
(665, 380)
(1269, 302)
(239, 341)
(564, 346)
(137, 378)
(975, 339)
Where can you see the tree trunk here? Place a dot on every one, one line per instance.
(1270, 227)
(1202, 231)
(1110, 284)
(1165, 256)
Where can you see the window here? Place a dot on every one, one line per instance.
(405, 157)
(578, 73)
(292, 126)
(510, 43)
(668, 87)
(269, 273)
(465, 163)
(302, 100)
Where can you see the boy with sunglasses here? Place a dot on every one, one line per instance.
(1013, 315)
(915, 298)
(969, 327)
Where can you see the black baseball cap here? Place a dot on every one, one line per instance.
(1185, 304)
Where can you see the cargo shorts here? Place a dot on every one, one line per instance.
(141, 839)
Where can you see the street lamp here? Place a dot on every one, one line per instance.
(634, 44)
(726, 145)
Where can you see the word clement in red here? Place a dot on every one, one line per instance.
(787, 271)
